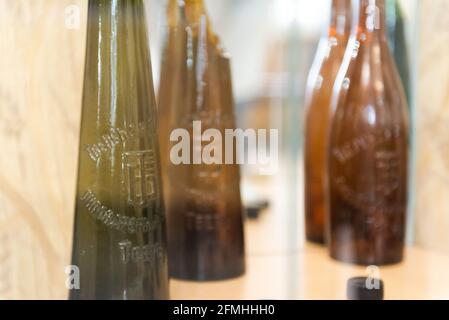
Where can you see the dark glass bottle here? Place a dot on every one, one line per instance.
(368, 154)
(119, 242)
(318, 116)
(204, 210)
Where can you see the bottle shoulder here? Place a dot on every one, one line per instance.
(324, 71)
(369, 77)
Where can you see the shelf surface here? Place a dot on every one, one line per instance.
(310, 274)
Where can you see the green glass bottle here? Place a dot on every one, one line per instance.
(119, 242)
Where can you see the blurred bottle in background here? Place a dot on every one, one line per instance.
(398, 42)
(321, 80)
(119, 243)
(368, 154)
(205, 227)
(170, 81)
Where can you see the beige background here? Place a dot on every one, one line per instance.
(432, 124)
(41, 69)
(41, 63)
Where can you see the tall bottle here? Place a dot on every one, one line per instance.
(398, 42)
(321, 80)
(204, 211)
(170, 80)
(368, 154)
(119, 242)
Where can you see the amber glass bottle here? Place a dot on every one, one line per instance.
(205, 227)
(320, 84)
(368, 154)
(119, 242)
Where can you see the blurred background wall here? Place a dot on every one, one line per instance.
(41, 74)
(432, 126)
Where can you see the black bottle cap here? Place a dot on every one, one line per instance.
(254, 208)
(363, 288)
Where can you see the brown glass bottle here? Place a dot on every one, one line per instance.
(368, 154)
(318, 112)
(170, 80)
(204, 211)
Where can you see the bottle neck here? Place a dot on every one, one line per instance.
(192, 3)
(111, 4)
(372, 19)
(118, 62)
(340, 21)
(194, 14)
(115, 13)
(193, 9)
(172, 13)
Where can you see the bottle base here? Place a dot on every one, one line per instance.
(206, 277)
(316, 240)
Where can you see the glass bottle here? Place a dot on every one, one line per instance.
(204, 210)
(398, 42)
(368, 154)
(119, 243)
(321, 80)
(170, 80)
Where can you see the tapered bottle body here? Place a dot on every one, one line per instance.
(204, 210)
(119, 242)
(368, 154)
(318, 116)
